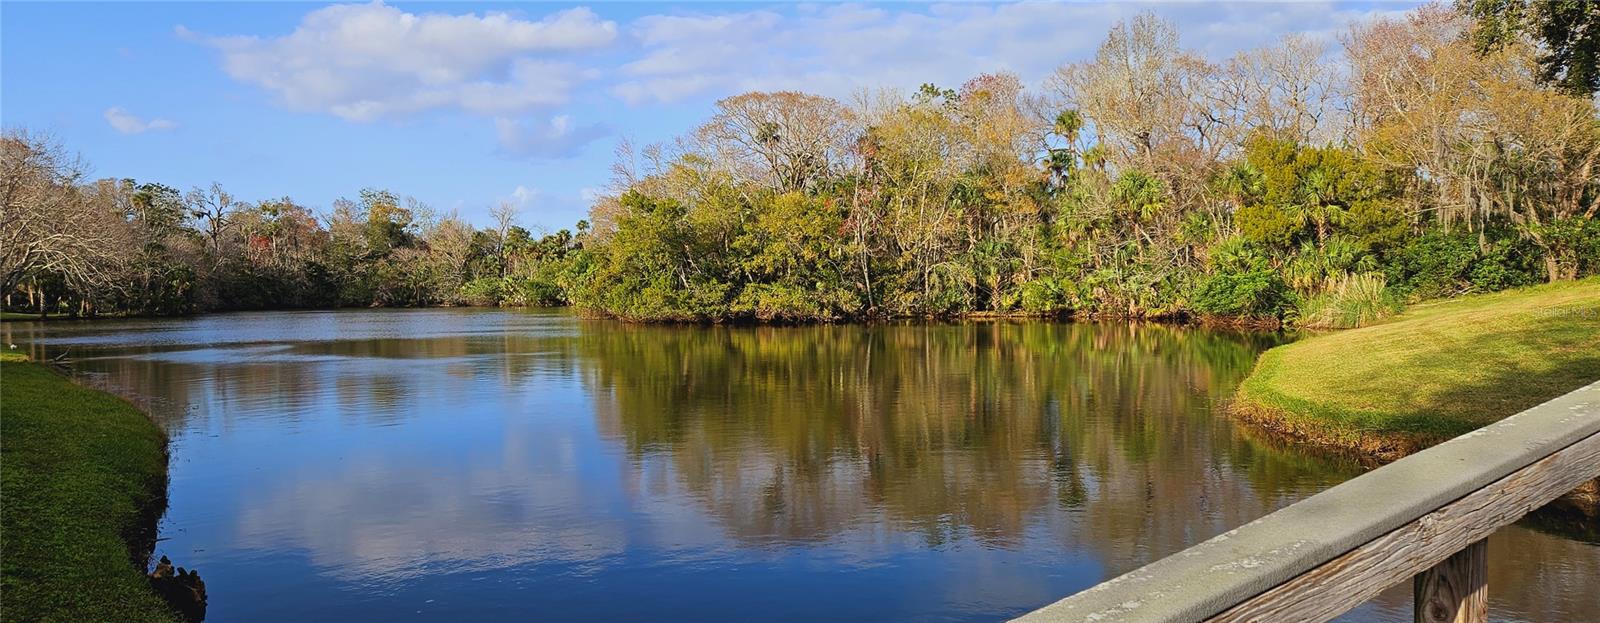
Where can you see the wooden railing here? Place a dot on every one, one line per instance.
(1424, 518)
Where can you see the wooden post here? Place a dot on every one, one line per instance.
(1455, 590)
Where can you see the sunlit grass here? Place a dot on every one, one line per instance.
(79, 469)
(1434, 372)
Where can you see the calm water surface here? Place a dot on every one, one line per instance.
(451, 465)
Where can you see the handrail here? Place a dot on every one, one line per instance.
(1326, 554)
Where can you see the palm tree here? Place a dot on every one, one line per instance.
(1317, 206)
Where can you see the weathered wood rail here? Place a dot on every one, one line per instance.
(1424, 517)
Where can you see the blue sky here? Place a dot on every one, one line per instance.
(464, 105)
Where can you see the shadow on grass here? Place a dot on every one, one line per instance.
(1509, 390)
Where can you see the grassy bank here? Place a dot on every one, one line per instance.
(81, 471)
(1434, 372)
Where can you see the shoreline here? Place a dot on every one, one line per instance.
(1188, 319)
(1373, 450)
(1444, 369)
(86, 480)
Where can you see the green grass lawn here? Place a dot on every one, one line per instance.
(79, 472)
(1434, 372)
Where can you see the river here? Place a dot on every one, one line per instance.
(479, 464)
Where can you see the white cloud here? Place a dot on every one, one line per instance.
(523, 196)
(367, 61)
(356, 516)
(557, 138)
(128, 123)
(836, 49)
(370, 61)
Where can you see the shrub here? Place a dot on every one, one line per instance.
(1572, 247)
(483, 291)
(1242, 283)
(1314, 265)
(1256, 293)
(1506, 263)
(771, 302)
(1347, 301)
(1047, 295)
(1449, 263)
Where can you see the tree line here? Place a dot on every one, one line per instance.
(1287, 183)
(1444, 152)
(79, 247)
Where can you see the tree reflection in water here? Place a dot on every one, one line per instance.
(502, 462)
(1103, 434)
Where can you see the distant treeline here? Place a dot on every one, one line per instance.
(1292, 183)
(123, 247)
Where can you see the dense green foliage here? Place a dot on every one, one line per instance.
(1434, 372)
(1274, 186)
(1234, 190)
(82, 472)
(1568, 29)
